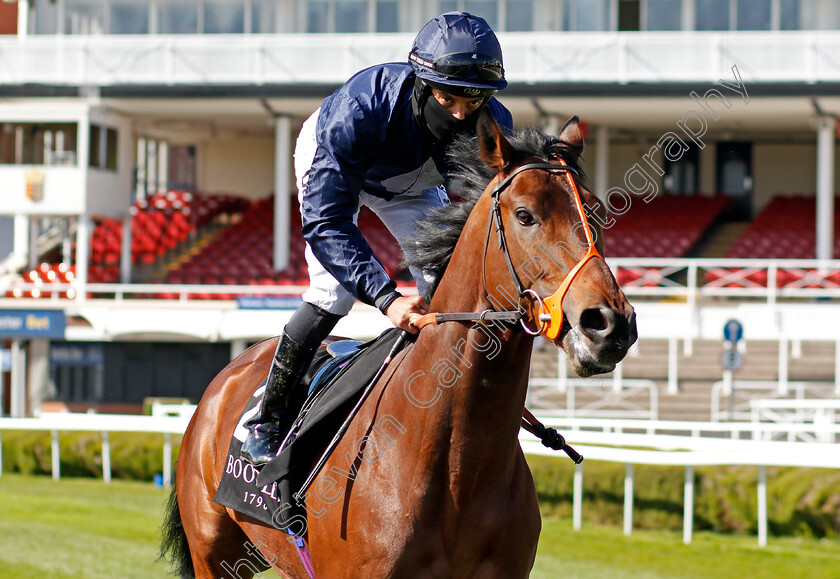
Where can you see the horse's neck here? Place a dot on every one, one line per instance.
(482, 413)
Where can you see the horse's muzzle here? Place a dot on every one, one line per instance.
(600, 339)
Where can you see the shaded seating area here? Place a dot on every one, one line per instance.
(785, 229)
(668, 226)
(158, 225)
(242, 254)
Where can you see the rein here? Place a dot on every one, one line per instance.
(551, 308)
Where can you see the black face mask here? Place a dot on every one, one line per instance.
(435, 117)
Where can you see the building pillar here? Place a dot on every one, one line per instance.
(163, 167)
(37, 374)
(83, 231)
(20, 241)
(125, 251)
(23, 18)
(35, 224)
(826, 131)
(602, 160)
(17, 402)
(282, 191)
(237, 347)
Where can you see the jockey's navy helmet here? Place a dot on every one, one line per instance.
(460, 54)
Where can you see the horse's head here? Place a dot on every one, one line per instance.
(548, 253)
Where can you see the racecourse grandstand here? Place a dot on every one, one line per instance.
(125, 122)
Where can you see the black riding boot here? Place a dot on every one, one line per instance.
(287, 368)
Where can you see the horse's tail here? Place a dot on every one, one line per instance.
(173, 540)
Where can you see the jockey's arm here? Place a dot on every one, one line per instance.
(345, 152)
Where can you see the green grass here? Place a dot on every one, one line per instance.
(598, 552)
(82, 528)
(78, 528)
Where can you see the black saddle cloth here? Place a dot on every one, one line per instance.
(311, 422)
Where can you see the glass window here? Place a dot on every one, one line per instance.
(520, 15)
(111, 149)
(592, 15)
(179, 17)
(789, 18)
(262, 19)
(712, 15)
(103, 148)
(84, 17)
(664, 15)
(487, 9)
(45, 17)
(224, 16)
(8, 155)
(129, 17)
(387, 16)
(38, 143)
(447, 6)
(753, 14)
(351, 15)
(95, 149)
(317, 16)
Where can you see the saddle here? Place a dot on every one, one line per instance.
(328, 391)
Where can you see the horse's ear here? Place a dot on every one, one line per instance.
(494, 148)
(572, 136)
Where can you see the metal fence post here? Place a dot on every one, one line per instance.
(56, 458)
(688, 505)
(762, 506)
(577, 497)
(106, 457)
(628, 499)
(673, 360)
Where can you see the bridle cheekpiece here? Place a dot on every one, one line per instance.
(551, 308)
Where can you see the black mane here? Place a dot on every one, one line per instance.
(437, 233)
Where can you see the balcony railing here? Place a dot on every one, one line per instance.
(532, 58)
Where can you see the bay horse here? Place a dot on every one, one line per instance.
(440, 486)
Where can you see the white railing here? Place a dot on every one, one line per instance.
(734, 402)
(530, 58)
(596, 439)
(610, 400)
(603, 438)
(57, 293)
(817, 411)
(691, 278)
(104, 423)
(763, 280)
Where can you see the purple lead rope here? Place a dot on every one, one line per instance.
(303, 553)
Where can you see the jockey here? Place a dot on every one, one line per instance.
(377, 141)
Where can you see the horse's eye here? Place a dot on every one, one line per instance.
(524, 217)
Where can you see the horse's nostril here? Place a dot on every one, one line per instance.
(597, 323)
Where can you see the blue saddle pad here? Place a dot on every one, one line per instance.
(340, 353)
